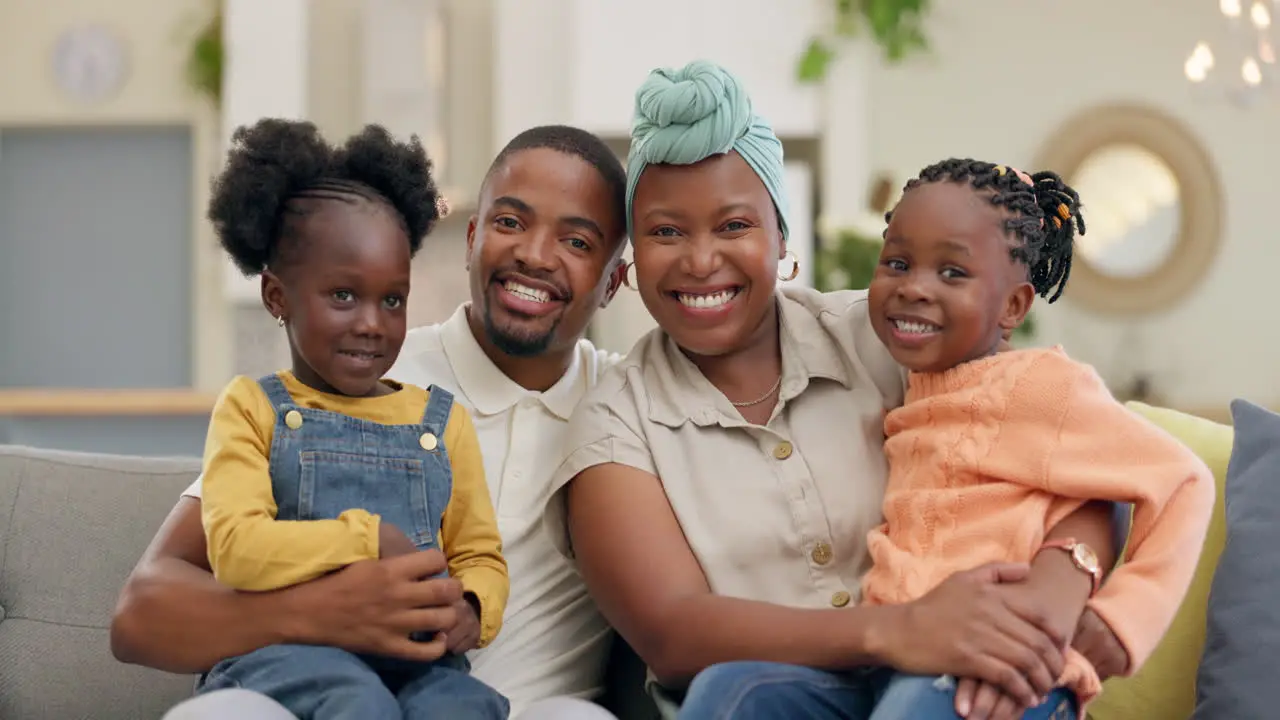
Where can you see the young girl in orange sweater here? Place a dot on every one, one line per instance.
(992, 449)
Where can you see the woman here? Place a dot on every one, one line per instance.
(720, 483)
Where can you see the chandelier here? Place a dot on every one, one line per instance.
(1245, 65)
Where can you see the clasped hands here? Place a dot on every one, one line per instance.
(1004, 633)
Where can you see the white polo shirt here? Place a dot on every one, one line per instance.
(553, 639)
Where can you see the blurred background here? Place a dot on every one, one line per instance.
(120, 318)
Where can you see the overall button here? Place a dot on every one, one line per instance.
(783, 451)
(840, 599)
(293, 419)
(821, 553)
(428, 442)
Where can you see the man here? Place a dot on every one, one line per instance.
(543, 252)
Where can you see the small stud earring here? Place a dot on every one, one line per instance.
(280, 321)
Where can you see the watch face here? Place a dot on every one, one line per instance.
(1085, 557)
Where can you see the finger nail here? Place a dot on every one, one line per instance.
(963, 707)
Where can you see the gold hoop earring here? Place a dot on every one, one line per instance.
(280, 321)
(626, 278)
(795, 267)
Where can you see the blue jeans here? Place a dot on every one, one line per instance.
(749, 690)
(326, 683)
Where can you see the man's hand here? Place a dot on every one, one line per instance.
(372, 606)
(465, 634)
(966, 627)
(1095, 641)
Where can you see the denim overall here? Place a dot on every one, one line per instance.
(322, 464)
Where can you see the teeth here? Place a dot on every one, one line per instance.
(526, 292)
(713, 300)
(917, 328)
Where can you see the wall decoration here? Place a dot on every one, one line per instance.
(90, 63)
(1152, 207)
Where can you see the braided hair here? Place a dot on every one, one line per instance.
(278, 169)
(1045, 215)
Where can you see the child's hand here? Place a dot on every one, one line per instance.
(976, 700)
(465, 634)
(392, 542)
(1095, 641)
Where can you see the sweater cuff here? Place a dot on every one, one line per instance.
(365, 527)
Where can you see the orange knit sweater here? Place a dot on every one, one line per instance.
(986, 457)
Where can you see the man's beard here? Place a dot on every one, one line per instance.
(518, 345)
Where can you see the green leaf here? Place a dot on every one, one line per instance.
(205, 61)
(815, 61)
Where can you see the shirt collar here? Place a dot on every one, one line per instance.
(680, 392)
(488, 389)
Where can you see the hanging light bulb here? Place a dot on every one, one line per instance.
(1251, 73)
(1260, 16)
(1230, 8)
(1203, 55)
(1195, 71)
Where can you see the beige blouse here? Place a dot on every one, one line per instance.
(776, 513)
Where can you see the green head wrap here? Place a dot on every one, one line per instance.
(685, 116)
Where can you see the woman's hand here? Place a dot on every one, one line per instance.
(1093, 639)
(969, 627)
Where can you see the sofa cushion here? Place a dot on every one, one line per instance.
(75, 524)
(1242, 646)
(1164, 689)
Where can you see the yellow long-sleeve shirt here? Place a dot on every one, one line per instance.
(250, 549)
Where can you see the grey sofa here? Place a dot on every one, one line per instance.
(71, 528)
(72, 525)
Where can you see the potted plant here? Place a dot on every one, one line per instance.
(205, 60)
(897, 26)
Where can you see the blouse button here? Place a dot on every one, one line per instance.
(293, 419)
(783, 451)
(840, 599)
(821, 553)
(428, 442)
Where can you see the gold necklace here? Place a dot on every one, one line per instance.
(763, 397)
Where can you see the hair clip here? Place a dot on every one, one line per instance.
(1000, 170)
(442, 206)
(1057, 223)
(1063, 211)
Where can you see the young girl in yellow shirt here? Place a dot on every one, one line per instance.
(328, 463)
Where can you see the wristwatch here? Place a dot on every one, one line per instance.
(1082, 556)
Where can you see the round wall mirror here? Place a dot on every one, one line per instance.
(1151, 204)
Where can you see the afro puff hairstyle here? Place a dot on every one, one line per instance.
(275, 164)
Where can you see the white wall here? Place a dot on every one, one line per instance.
(156, 35)
(1006, 72)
